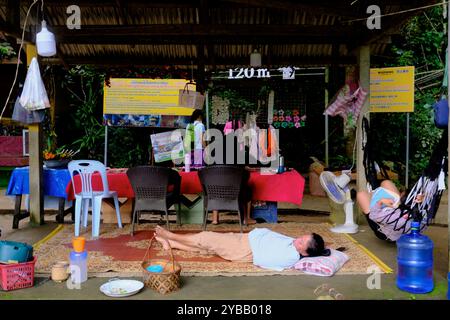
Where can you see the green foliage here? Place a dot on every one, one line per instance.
(6, 51)
(124, 149)
(423, 41)
(423, 46)
(237, 102)
(85, 85)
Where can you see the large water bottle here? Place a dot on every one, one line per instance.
(415, 261)
(78, 266)
(448, 286)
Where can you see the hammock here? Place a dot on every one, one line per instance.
(431, 185)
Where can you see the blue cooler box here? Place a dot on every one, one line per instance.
(15, 251)
(265, 210)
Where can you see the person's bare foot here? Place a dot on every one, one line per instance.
(215, 222)
(162, 233)
(163, 242)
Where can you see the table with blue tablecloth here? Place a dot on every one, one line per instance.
(55, 183)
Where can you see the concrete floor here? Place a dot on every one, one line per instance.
(250, 288)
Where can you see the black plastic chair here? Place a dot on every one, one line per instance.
(223, 189)
(150, 185)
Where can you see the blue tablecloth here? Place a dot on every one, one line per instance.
(55, 182)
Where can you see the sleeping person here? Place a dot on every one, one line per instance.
(264, 248)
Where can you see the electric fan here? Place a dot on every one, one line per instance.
(338, 191)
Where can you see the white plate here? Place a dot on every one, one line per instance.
(121, 288)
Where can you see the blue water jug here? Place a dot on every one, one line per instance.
(415, 261)
(448, 286)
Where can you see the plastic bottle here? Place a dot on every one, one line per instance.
(281, 165)
(187, 162)
(415, 261)
(78, 266)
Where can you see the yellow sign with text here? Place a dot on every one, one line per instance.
(392, 89)
(144, 97)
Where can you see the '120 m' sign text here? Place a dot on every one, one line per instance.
(241, 73)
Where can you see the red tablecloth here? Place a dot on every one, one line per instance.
(117, 182)
(286, 187)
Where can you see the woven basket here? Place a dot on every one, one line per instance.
(166, 281)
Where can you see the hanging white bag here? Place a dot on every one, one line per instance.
(34, 96)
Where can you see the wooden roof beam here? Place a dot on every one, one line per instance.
(195, 33)
(131, 3)
(315, 7)
(15, 32)
(161, 60)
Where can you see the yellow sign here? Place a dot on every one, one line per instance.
(392, 89)
(144, 97)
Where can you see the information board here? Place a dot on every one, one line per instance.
(144, 97)
(392, 89)
(145, 102)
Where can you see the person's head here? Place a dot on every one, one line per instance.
(197, 115)
(311, 245)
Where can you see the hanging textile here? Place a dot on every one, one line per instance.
(347, 104)
(268, 144)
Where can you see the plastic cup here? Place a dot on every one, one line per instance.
(78, 244)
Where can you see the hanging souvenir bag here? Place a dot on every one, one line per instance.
(190, 99)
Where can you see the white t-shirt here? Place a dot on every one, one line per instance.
(199, 128)
(288, 72)
(272, 250)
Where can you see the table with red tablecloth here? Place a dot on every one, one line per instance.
(285, 187)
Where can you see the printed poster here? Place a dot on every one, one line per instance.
(167, 146)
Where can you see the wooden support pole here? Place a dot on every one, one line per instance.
(36, 175)
(364, 78)
(201, 68)
(36, 172)
(448, 148)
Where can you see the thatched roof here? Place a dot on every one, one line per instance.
(211, 33)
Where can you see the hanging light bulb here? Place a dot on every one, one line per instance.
(45, 42)
(255, 59)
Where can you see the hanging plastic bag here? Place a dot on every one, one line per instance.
(34, 96)
(22, 115)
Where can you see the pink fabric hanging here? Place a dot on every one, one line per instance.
(347, 103)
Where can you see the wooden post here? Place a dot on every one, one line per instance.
(448, 148)
(364, 78)
(36, 171)
(36, 175)
(327, 92)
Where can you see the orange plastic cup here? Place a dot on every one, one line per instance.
(78, 244)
